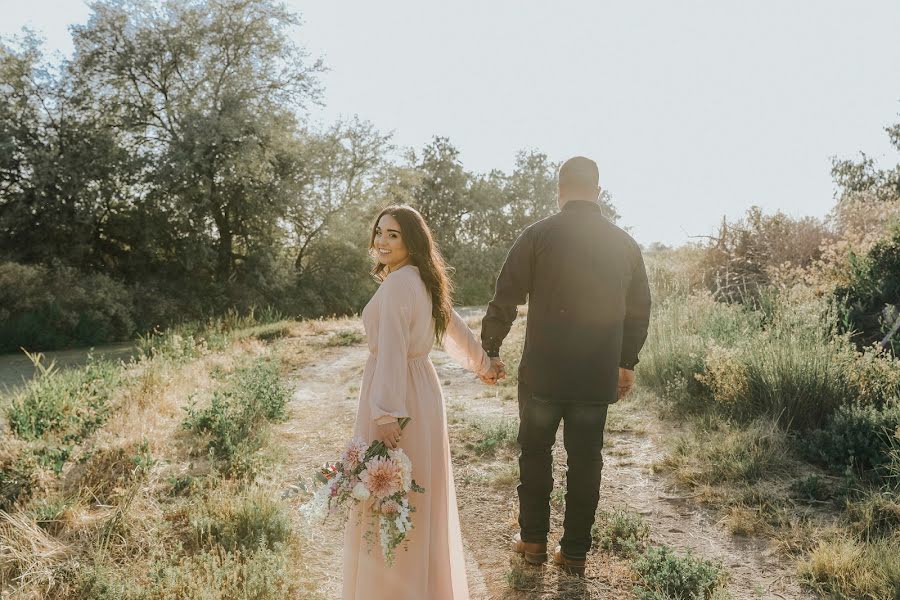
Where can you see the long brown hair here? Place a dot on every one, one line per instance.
(423, 253)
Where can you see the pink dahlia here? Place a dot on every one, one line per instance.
(389, 507)
(383, 477)
(354, 453)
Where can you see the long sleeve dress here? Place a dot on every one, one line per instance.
(399, 380)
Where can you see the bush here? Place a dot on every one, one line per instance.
(666, 576)
(681, 332)
(493, 435)
(233, 421)
(219, 575)
(244, 522)
(621, 532)
(45, 308)
(871, 295)
(740, 262)
(782, 360)
(857, 436)
(787, 377)
(67, 405)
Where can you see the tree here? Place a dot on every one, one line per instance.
(62, 165)
(209, 91)
(441, 192)
(340, 171)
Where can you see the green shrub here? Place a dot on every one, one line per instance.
(67, 405)
(858, 436)
(219, 575)
(98, 582)
(493, 435)
(812, 488)
(621, 532)
(55, 412)
(245, 522)
(681, 332)
(664, 575)
(870, 297)
(46, 308)
(233, 420)
(346, 337)
(16, 475)
(786, 377)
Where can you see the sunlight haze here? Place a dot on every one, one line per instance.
(692, 110)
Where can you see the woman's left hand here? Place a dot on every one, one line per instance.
(389, 434)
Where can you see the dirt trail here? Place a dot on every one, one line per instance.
(323, 408)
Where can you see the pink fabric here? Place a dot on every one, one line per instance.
(399, 381)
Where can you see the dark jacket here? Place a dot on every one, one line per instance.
(588, 304)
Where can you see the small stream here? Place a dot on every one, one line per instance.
(16, 369)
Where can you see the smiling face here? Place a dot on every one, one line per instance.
(390, 250)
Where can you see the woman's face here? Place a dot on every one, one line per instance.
(389, 246)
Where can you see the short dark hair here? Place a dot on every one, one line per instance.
(579, 173)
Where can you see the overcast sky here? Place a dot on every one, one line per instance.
(692, 109)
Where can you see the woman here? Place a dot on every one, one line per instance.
(410, 310)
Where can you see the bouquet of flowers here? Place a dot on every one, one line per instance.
(375, 478)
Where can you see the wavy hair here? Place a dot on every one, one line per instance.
(423, 253)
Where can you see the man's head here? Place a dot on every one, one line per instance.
(579, 179)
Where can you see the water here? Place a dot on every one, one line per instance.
(16, 369)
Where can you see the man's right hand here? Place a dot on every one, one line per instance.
(626, 382)
(495, 373)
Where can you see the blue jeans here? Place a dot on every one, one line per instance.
(539, 418)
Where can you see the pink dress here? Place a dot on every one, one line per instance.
(399, 381)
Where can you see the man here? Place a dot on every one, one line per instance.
(588, 312)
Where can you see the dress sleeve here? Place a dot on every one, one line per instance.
(388, 391)
(462, 345)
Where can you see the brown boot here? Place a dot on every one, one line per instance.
(572, 566)
(534, 553)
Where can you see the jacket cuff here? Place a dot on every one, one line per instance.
(628, 364)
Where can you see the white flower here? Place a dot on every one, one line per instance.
(361, 492)
(400, 457)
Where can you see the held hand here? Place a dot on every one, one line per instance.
(495, 373)
(389, 434)
(626, 382)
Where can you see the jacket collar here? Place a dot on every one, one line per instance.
(580, 205)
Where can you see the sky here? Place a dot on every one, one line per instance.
(693, 110)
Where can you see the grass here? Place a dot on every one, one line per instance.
(846, 568)
(110, 499)
(523, 578)
(724, 452)
(490, 436)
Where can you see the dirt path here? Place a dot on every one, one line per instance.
(322, 413)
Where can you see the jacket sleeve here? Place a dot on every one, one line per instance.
(388, 391)
(463, 346)
(513, 286)
(637, 312)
